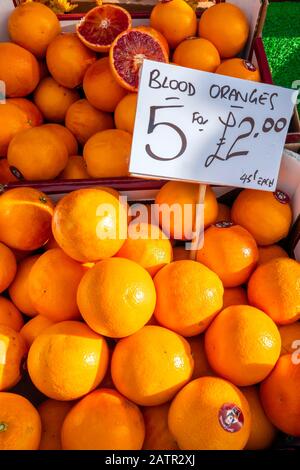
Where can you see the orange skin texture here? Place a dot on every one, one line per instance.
(107, 153)
(201, 367)
(54, 99)
(5, 174)
(189, 296)
(19, 289)
(65, 136)
(33, 26)
(152, 250)
(189, 416)
(180, 253)
(231, 252)
(234, 296)
(82, 365)
(75, 221)
(8, 267)
(75, 169)
(158, 436)
(237, 68)
(289, 334)
(176, 192)
(242, 345)
(52, 414)
(12, 353)
(34, 115)
(68, 59)
(274, 287)
(100, 87)
(280, 398)
(116, 297)
(197, 53)
(19, 69)
(52, 290)
(226, 26)
(83, 120)
(125, 113)
(25, 218)
(103, 420)
(34, 327)
(10, 315)
(262, 432)
(249, 210)
(266, 253)
(176, 20)
(12, 121)
(22, 422)
(151, 366)
(46, 154)
(223, 213)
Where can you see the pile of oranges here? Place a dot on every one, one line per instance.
(71, 97)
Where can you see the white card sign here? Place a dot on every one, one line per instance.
(209, 128)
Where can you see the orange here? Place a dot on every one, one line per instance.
(33, 26)
(52, 290)
(239, 68)
(147, 246)
(34, 328)
(267, 216)
(248, 339)
(83, 120)
(46, 155)
(202, 367)
(175, 19)
(230, 251)
(197, 53)
(180, 253)
(274, 288)
(12, 354)
(6, 175)
(234, 296)
(290, 338)
(10, 315)
(75, 169)
(25, 218)
(226, 26)
(12, 121)
(116, 297)
(19, 289)
(158, 436)
(67, 360)
(210, 414)
(223, 213)
(262, 431)
(8, 267)
(189, 295)
(34, 115)
(44, 72)
(156, 34)
(20, 424)
(179, 221)
(103, 420)
(51, 243)
(52, 413)
(101, 88)
(19, 69)
(54, 99)
(64, 135)
(280, 397)
(151, 366)
(125, 112)
(107, 153)
(266, 253)
(90, 224)
(68, 59)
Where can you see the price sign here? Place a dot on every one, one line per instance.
(203, 127)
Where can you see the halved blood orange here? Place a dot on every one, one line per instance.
(101, 25)
(156, 34)
(128, 51)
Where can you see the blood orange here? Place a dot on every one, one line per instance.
(100, 26)
(128, 51)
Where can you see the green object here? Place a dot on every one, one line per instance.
(281, 37)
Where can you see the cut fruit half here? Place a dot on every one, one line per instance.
(100, 26)
(128, 51)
